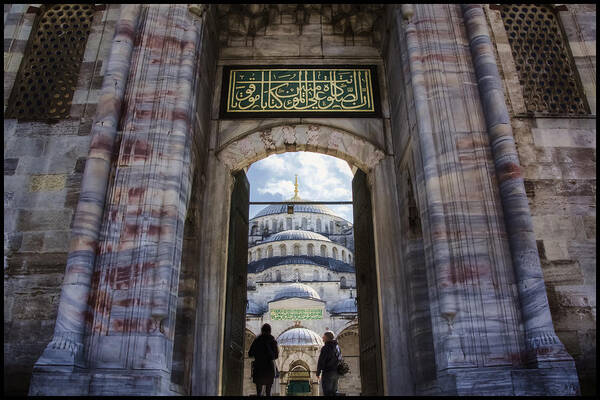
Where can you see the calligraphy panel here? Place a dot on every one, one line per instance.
(271, 91)
(297, 314)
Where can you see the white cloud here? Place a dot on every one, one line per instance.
(280, 187)
(320, 177)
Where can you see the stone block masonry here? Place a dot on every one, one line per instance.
(42, 171)
(558, 159)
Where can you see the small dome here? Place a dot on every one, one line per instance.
(344, 306)
(296, 235)
(299, 337)
(297, 290)
(254, 308)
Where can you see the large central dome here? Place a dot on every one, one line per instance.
(293, 234)
(298, 208)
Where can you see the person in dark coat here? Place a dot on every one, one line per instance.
(264, 350)
(328, 362)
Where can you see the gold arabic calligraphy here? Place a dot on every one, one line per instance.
(260, 90)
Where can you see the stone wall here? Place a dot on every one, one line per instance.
(558, 157)
(43, 166)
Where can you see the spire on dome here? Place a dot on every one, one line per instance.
(296, 197)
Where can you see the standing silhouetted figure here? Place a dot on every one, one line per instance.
(328, 361)
(264, 350)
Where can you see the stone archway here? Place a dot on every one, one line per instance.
(253, 146)
(239, 153)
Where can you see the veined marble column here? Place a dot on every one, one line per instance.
(448, 304)
(136, 276)
(66, 347)
(541, 340)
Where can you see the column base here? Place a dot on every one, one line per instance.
(558, 380)
(101, 383)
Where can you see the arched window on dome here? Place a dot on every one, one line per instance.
(310, 249)
(288, 223)
(258, 254)
(274, 225)
(328, 276)
(297, 276)
(331, 227)
(343, 282)
(278, 276)
(254, 230)
(335, 253)
(326, 228)
(315, 275)
(319, 225)
(323, 250)
(304, 223)
(280, 225)
(344, 255)
(296, 249)
(282, 250)
(349, 258)
(270, 251)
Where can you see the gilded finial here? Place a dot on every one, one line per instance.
(295, 198)
(296, 187)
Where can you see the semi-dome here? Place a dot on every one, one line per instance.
(297, 290)
(299, 337)
(344, 306)
(253, 308)
(294, 234)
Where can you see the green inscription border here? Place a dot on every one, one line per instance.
(374, 112)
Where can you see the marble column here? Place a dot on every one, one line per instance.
(443, 269)
(137, 270)
(66, 347)
(541, 341)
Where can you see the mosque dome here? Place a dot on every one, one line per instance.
(254, 308)
(297, 290)
(298, 208)
(344, 306)
(295, 235)
(299, 337)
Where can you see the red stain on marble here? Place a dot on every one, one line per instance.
(141, 151)
(101, 142)
(131, 230)
(154, 230)
(136, 193)
(180, 114)
(509, 171)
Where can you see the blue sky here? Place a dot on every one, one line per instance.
(320, 177)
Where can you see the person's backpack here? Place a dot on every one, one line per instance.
(342, 366)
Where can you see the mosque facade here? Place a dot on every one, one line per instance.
(302, 281)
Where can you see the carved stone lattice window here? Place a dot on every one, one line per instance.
(47, 77)
(546, 68)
